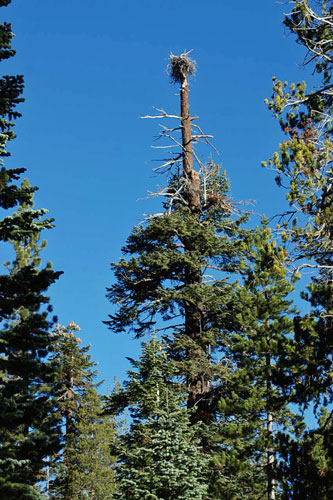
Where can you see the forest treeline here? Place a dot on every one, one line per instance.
(217, 405)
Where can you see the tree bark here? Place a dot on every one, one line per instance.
(198, 383)
(191, 176)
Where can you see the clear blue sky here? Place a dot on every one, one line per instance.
(91, 68)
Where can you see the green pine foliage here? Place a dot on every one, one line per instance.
(149, 375)
(85, 466)
(163, 460)
(307, 469)
(305, 161)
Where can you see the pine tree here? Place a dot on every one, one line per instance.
(304, 165)
(254, 411)
(308, 469)
(163, 281)
(84, 468)
(305, 161)
(160, 456)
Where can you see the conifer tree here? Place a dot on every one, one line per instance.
(29, 427)
(163, 282)
(84, 468)
(304, 166)
(254, 411)
(160, 456)
(304, 162)
(307, 469)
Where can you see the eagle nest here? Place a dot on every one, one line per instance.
(180, 66)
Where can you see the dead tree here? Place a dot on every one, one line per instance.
(198, 386)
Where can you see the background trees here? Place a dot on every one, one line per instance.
(84, 466)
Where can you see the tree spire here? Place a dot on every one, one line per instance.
(180, 67)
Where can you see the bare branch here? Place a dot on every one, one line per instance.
(168, 164)
(313, 266)
(206, 136)
(162, 114)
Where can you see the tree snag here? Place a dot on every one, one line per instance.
(198, 385)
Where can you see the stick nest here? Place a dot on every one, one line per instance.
(180, 66)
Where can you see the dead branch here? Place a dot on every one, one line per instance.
(168, 164)
(313, 266)
(163, 114)
(216, 268)
(197, 159)
(206, 136)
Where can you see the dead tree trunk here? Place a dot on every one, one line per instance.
(198, 383)
(191, 197)
(192, 179)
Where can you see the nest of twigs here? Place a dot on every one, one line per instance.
(180, 66)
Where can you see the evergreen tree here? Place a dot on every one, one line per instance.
(163, 282)
(304, 165)
(304, 161)
(254, 411)
(160, 456)
(29, 427)
(84, 468)
(28, 424)
(307, 470)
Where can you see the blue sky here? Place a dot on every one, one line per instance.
(92, 68)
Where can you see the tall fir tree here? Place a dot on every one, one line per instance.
(85, 466)
(28, 424)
